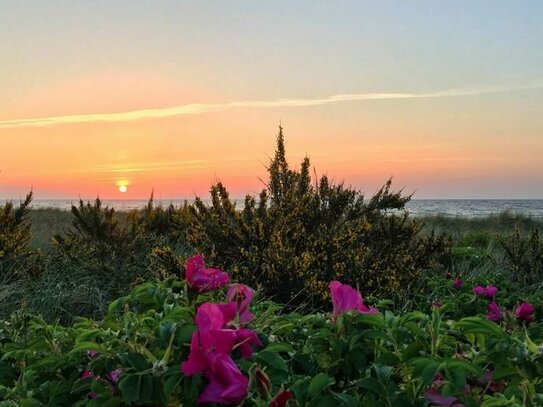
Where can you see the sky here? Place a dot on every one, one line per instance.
(119, 99)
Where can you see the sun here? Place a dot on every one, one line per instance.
(123, 188)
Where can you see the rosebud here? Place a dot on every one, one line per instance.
(263, 383)
(281, 399)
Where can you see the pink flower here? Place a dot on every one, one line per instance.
(242, 295)
(213, 339)
(245, 338)
(114, 375)
(437, 399)
(458, 283)
(86, 374)
(92, 354)
(479, 291)
(202, 279)
(281, 399)
(226, 383)
(494, 312)
(210, 341)
(489, 384)
(437, 380)
(491, 291)
(345, 298)
(524, 312)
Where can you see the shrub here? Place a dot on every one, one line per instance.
(297, 236)
(523, 257)
(17, 259)
(97, 260)
(133, 356)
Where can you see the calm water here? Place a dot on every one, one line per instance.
(417, 207)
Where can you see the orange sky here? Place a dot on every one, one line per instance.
(158, 100)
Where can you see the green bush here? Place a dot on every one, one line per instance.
(98, 259)
(377, 360)
(17, 259)
(297, 236)
(523, 257)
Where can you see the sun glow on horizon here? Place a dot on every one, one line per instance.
(123, 186)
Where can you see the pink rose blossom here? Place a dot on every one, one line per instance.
(242, 295)
(494, 312)
(458, 283)
(114, 375)
(524, 312)
(226, 384)
(437, 399)
(202, 279)
(479, 291)
(345, 299)
(491, 291)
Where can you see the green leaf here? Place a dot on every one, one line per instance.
(279, 347)
(130, 387)
(371, 384)
(504, 371)
(137, 361)
(346, 399)
(327, 401)
(273, 359)
(478, 325)
(85, 346)
(318, 384)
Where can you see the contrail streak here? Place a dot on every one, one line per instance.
(201, 108)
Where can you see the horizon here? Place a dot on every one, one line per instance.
(118, 100)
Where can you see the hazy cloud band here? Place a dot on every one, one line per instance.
(201, 108)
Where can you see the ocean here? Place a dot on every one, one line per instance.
(470, 208)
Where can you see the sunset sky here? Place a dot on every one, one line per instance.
(444, 96)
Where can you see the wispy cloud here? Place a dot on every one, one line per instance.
(201, 108)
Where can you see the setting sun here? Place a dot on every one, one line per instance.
(123, 188)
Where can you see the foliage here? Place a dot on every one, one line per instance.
(16, 257)
(298, 236)
(133, 356)
(523, 256)
(100, 254)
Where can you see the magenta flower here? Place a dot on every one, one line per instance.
(458, 283)
(479, 291)
(491, 291)
(245, 338)
(92, 354)
(213, 340)
(242, 295)
(86, 374)
(226, 383)
(281, 399)
(524, 312)
(494, 312)
(210, 341)
(202, 279)
(114, 375)
(437, 399)
(345, 298)
(489, 384)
